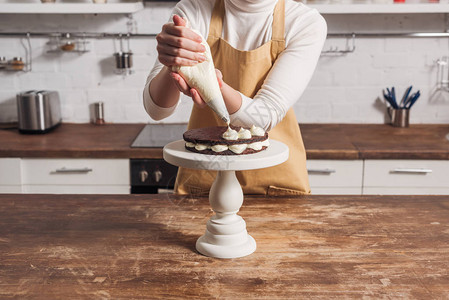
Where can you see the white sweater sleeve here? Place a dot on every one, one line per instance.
(288, 77)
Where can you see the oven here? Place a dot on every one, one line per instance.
(153, 176)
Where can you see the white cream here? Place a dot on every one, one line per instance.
(230, 134)
(190, 145)
(257, 131)
(244, 134)
(219, 148)
(201, 147)
(266, 143)
(239, 148)
(255, 146)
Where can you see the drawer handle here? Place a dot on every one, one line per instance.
(64, 170)
(411, 171)
(321, 171)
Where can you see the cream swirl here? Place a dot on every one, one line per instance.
(201, 147)
(257, 131)
(238, 148)
(219, 148)
(255, 146)
(230, 134)
(244, 134)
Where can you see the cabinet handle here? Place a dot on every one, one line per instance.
(411, 171)
(321, 171)
(65, 170)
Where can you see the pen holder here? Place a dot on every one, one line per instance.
(399, 117)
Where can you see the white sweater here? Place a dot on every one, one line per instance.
(246, 26)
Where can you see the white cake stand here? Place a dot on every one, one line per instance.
(226, 235)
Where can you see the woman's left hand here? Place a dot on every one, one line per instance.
(192, 92)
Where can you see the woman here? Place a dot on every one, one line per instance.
(266, 51)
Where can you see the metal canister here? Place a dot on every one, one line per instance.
(123, 60)
(99, 113)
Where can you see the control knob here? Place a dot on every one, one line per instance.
(157, 175)
(143, 175)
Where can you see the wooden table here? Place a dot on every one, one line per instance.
(88, 247)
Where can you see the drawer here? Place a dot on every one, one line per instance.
(10, 189)
(10, 172)
(335, 173)
(75, 171)
(405, 191)
(336, 190)
(76, 189)
(406, 173)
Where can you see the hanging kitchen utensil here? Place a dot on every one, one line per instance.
(124, 59)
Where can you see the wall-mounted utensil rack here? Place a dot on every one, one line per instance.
(105, 35)
(333, 50)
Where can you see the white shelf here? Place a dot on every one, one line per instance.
(394, 8)
(70, 8)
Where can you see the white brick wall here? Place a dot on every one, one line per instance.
(345, 89)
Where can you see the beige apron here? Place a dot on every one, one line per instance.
(245, 71)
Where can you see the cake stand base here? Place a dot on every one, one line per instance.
(226, 235)
(221, 251)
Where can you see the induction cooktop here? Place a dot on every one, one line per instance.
(158, 135)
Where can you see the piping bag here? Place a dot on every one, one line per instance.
(203, 78)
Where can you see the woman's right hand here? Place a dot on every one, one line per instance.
(178, 45)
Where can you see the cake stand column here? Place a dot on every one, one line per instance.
(226, 235)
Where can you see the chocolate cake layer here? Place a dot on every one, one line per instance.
(213, 136)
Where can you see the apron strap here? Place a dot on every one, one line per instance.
(216, 23)
(278, 30)
(279, 22)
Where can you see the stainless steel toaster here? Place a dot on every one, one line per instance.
(38, 111)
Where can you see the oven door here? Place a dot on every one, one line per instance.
(152, 176)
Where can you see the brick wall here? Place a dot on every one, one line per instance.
(345, 88)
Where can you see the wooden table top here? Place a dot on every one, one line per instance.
(142, 246)
(322, 141)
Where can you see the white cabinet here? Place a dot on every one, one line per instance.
(76, 176)
(388, 177)
(10, 175)
(64, 176)
(335, 176)
(413, 177)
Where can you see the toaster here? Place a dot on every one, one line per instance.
(38, 111)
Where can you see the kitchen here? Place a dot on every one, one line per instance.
(351, 149)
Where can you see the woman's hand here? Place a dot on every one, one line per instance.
(191, 92)
(178, 45)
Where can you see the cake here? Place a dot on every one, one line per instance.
(224, 140)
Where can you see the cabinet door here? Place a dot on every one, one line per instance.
(10, 175)
(406, 177)
(335, 176)
(76, 176)
(76, 189)
(75, 171)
